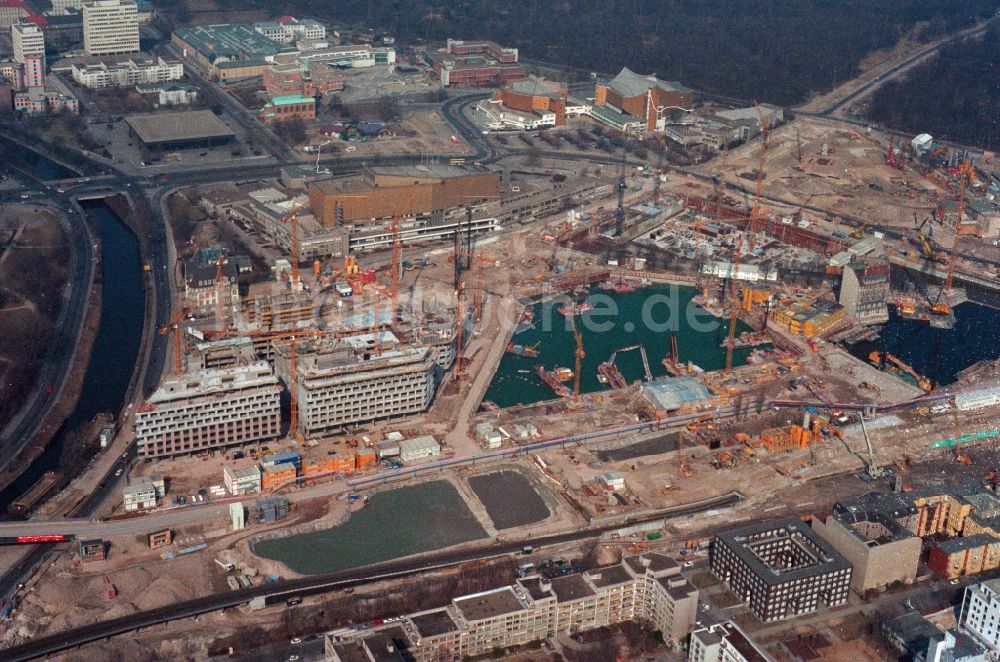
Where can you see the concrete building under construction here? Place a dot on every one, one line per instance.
(358, 379)
(210, 409)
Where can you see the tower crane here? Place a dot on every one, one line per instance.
(292, 338)
(578, 356)
(755, 212)
(174, 326)
(459, 329)
(220, 286)
(966, 175)
(292, 219)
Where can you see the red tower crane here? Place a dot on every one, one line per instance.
(292, 219)
(174, 326)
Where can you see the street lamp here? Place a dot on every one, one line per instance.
(319, 150)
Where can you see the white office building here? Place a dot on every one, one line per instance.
(28, 41)
(287, 30)
(131, 72)
(110, 27)
(242, 479)
(980, 613)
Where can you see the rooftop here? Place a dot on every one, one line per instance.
(807, 554)
(671, 393)
(433, 623)
(630, 84)
(212, 382)
(230, 41)
(609, 576)
(175, 126)
(571, 587)
(488, 604)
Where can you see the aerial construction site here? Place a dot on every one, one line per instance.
(413, 358)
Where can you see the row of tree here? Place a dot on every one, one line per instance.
(771, 50)
(955, 96)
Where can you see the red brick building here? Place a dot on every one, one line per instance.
(308, 79)
(644, 97)
(476, 64)
(288, 107)
(535, 95)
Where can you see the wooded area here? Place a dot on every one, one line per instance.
(770, 50)
(955, 96)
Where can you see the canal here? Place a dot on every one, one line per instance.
(397, 523)
(939, 354)
(34, 164)
(647, 317)
(115, 352)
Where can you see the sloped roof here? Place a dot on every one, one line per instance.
(630, 84)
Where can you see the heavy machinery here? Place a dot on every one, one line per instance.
(966, 175)
(174, 326)
(871, 466)
(681, 460)
(578, 356)
(292, 219)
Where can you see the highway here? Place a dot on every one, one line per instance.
(325, 583)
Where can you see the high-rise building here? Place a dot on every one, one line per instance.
(980, 613)
(28, 41)
(34, 71)
(110, 27)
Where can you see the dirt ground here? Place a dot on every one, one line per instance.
(34, 253)
(419, 132)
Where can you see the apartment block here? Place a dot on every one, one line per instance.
(128, 73)
(358, 379)
(646, 588)
(110, 27)
(28, 41)
(34, 71)
(780, 569)
(980, 612)
(210, 409)
(724, 642)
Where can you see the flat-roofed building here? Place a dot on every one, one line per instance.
(724, 642)
(210, 409)
(110, 27)
(409, 190)
(140, 494)
(126, 73)
(780, 569)
(288, 29)
(646, 588)
(243, 478)
(229, 51)
(867, 532)
(475, 64)
(179, 129)
(350, 381)
(28, 41)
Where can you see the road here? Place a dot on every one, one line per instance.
(900, 69)
(49, 383)
(325, 583)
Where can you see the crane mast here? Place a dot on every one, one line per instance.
(751, 229)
